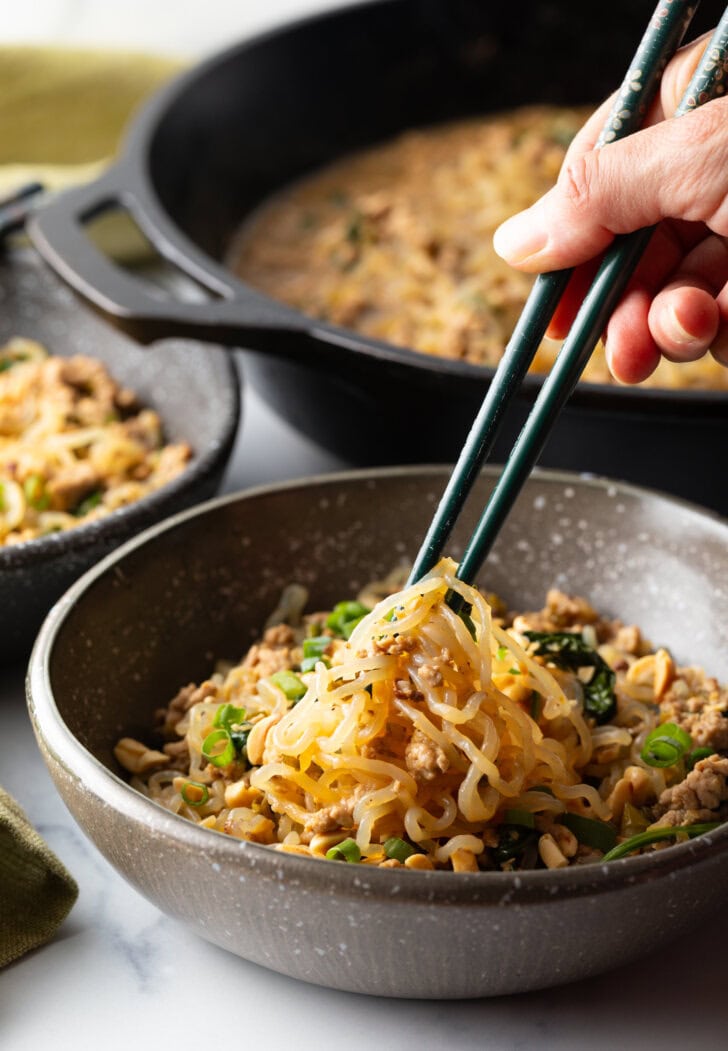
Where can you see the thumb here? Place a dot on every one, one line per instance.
(631, 183)
(677, 169)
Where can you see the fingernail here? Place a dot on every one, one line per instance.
(674, 328)
(518, 238)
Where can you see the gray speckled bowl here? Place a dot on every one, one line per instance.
(156, 613)
(194, 388)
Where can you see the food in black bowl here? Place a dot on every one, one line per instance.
(69, 488)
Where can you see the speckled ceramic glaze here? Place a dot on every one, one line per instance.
(154, 616)
(195, 389)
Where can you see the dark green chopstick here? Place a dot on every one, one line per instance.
(661, 39)
(599, 302)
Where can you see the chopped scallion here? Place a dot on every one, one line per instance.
(519, 817)
(228, 715)
(665, 745)
(293, 687)
(88, 503)
(347, 850)
(653, 835)
(35, 492)
(218, 748)
(313, 652)
(231, 718)
(501, 653)
(345, 616)
(195, 793)
(598, 834)
(398, 849)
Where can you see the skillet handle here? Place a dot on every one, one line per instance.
(237, 315)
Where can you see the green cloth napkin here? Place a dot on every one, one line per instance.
(36, 891)
(63, 111)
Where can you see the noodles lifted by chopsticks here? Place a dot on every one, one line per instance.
(409, 734)
(411, 730)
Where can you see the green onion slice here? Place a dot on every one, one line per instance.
(598, 834)
(399, 849)
(345, 616)
(665, 745)
(89, 503)
(194, 793)
(313, 652)
(309, 663)
(501, 653)
(652, 835)
(293, 687)
(35, 492)
(519, 817)
(218, 748)
(347, 850)
(228, 715)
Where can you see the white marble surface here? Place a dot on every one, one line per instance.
(121, 975)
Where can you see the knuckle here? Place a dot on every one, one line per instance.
(578, 181)
(703, 187)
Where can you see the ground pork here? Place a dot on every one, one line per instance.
(274, 653)
(184, 699)
(572, 613)
(699, 797)
(425, 758)
(700, 706)
(70, 484)
(338, 815)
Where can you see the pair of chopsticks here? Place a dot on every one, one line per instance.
(661, 39)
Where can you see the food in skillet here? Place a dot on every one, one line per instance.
(410, 735)
(396, 241)
(74, 445)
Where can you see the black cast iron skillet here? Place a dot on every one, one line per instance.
(220, 138)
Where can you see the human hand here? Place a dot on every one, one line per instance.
(673, 173)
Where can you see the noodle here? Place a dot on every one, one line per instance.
(461, 741)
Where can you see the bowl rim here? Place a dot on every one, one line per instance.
(88, 535)
(424, 887)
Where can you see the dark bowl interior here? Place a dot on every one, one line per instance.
(198, 587)
(194, 388)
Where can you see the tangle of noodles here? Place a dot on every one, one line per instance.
(445, 734)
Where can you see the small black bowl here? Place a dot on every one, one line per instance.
(194, 388)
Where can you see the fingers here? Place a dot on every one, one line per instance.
(632, 354)
(677, 169)
(684, 321)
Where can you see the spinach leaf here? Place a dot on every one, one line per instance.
(567, 650)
